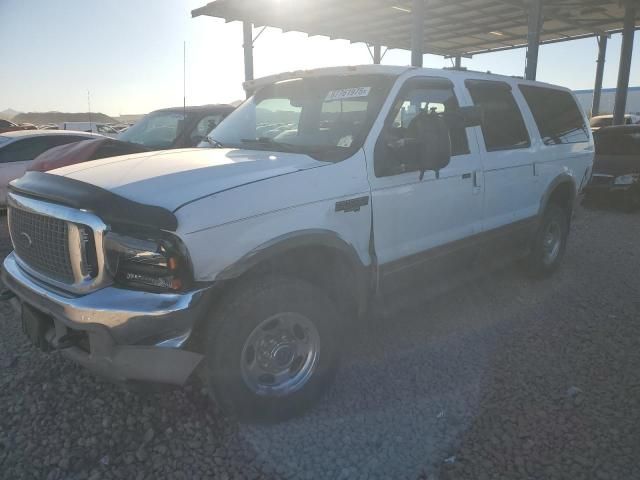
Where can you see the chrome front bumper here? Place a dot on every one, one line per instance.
(133, 335)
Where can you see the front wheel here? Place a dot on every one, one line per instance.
(549, 244)
(272, 348)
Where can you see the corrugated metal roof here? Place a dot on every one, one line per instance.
(452, 27)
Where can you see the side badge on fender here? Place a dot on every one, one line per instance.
(352, 205)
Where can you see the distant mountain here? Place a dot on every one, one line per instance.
(129, 118)
(8, 114)
(39, 118)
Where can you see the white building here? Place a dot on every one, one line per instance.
(585, 97)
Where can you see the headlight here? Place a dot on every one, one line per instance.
(148, 263)
(626, 179)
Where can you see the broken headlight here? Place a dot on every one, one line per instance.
(145, 262)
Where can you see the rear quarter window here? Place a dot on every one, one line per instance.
(556, 114)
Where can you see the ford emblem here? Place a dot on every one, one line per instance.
(26, 239)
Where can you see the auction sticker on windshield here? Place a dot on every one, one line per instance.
(344, 93)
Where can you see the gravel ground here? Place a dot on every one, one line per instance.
(507, 378)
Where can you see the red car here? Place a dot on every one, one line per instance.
(7, 126)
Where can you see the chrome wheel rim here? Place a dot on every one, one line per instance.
(280, 354)
(551, 242)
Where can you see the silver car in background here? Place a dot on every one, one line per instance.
(19, 148)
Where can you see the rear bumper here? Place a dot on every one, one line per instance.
(132, 335)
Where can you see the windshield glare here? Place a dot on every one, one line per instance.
(155, 130)
(327, 117)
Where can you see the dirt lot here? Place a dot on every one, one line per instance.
(508, 378)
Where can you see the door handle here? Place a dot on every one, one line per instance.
(477, 182)
(466, 175)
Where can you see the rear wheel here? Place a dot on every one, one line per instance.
(549, 244)
(272, 348)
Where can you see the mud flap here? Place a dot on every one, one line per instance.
(35, 325)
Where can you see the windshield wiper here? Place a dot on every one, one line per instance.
(214, 143)
(270, 142)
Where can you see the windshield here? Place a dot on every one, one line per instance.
(155, 130)
(327, 117)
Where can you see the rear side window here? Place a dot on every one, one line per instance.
(502, 126)
(556, 114)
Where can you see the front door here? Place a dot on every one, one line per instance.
(420, 225)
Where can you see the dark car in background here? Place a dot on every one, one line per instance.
(616, 168)
(178, 127)
(83, 151)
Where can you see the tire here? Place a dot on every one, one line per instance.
(549, 243)
(265, 327)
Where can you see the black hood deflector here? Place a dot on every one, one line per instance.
(111, 208)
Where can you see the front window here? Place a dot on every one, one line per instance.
(155, 130)
(327, 118)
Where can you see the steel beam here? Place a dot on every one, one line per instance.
(377, 54)
(625, 63)
(533, 38)
(417, 32)
(247, 45)
(597, 89)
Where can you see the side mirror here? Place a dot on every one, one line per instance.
(426, 147)
(434, 152)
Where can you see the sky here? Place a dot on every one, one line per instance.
(128, 54)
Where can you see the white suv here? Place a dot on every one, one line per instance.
(326, 192)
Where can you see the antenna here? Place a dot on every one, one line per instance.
(184, 79)
(89, 105)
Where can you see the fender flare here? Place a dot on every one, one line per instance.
(308, 238)
(563, 178)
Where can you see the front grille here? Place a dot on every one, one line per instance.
(42, 243)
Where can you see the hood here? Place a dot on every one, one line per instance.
(171, 178)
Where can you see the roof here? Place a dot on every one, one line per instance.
(252, 85)
(614, 129)
(452, 27)
(49, 133)
(217, 108)
(626, 115)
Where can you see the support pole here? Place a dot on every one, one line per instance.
(377, 54)
(458, 62)
(533, 39)
(597, 89)
(417, 32)
(625, 64)
(247, 45)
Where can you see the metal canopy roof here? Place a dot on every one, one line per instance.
(452, 27)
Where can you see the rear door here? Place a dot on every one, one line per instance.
(564, 136)
(508, 155)
(422, 226)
